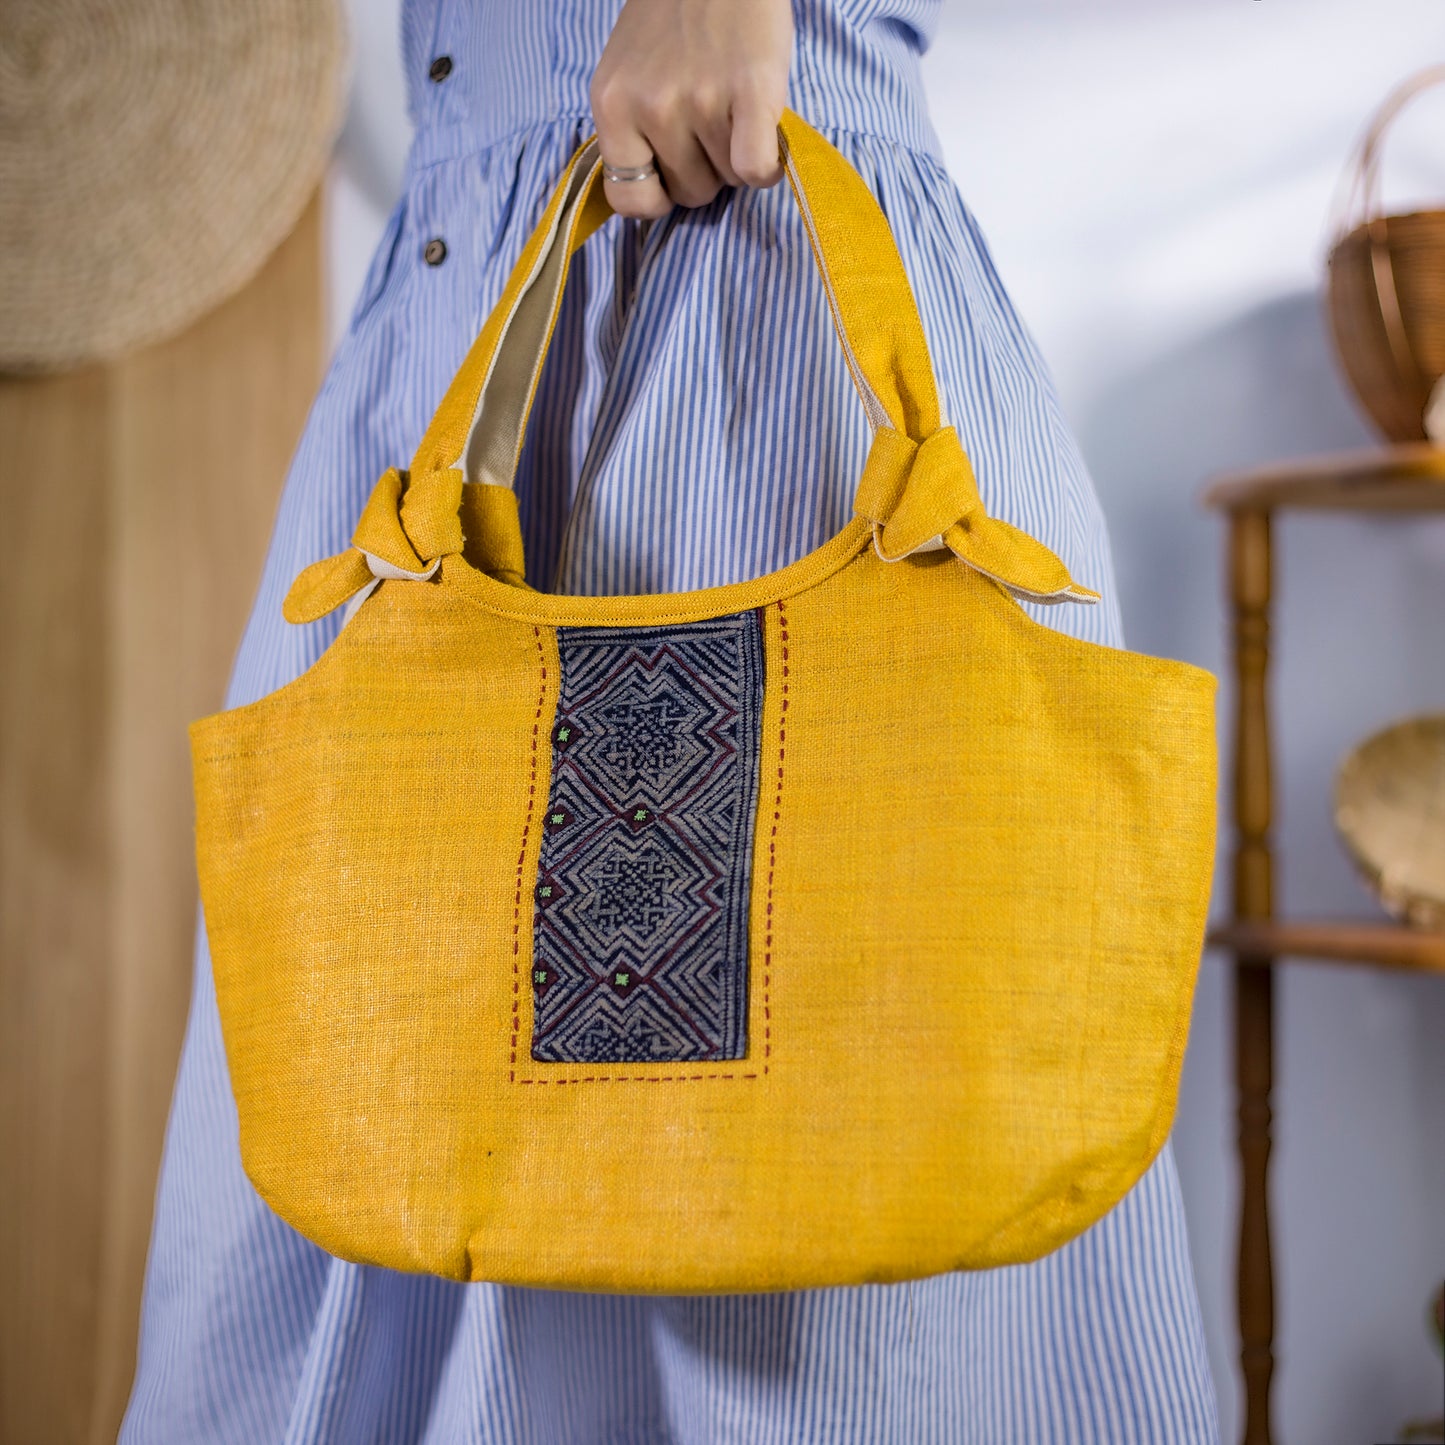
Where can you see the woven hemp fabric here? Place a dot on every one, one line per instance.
(641, 929)
(981, 865)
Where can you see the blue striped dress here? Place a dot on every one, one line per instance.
(696, 426)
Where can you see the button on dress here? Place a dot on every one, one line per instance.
(695, 426)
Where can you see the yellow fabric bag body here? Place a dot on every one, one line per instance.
(836, 926)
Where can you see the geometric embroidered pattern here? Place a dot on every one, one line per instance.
(640, 935)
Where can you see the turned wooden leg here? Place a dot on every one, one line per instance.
(1253, 1011)
(1249, 574)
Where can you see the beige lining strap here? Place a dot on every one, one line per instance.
(499, 419)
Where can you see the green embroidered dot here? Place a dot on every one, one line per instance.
(545, 891)
(563, 734)
(640, 815)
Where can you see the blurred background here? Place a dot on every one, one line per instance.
(1155, 179)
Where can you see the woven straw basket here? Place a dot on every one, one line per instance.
(1387, 286)
(153, 154)
(1390, 810)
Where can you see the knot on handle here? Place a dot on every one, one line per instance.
(410, 522)
(921, 496)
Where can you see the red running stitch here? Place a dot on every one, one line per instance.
(639, 1079)
(521, 858)
(773, 844)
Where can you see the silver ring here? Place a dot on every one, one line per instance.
(629, 173)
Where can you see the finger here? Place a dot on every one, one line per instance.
(712, 124)
(645, 200)
(754, 143)
(687, 173)
(621, 143)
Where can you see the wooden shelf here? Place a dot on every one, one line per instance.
(1385, 481)
(1386, 945)
(1406, 478)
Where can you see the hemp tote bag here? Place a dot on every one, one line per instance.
(835, 926)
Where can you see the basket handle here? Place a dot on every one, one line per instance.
(1359, 204)
(1360, 200)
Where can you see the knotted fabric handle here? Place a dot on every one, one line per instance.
(917, 488)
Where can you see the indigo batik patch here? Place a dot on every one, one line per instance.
(640, 943)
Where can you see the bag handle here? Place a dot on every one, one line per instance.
(481, 422)
(917, 488)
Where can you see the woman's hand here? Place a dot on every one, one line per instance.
(700, 85)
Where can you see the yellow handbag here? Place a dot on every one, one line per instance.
(836, 926)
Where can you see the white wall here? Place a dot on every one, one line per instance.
(1154, 177)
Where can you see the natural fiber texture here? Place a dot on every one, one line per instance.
(1387, 288)
(1390, 810)
(152, 155)
(977, 860)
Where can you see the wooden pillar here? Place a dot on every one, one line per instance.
(1250, 580)
(138, 498)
